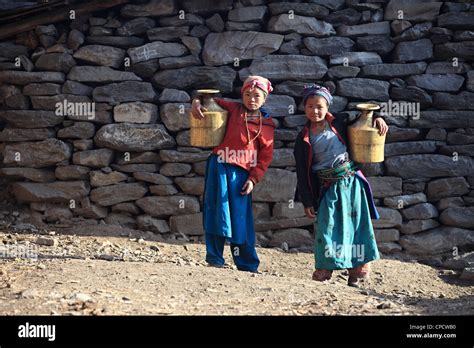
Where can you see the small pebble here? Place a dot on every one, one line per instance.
(384, 305)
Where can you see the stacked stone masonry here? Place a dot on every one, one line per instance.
(136, 66)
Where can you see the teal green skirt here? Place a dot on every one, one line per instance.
(344, 235)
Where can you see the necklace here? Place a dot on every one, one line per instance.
(249, 141)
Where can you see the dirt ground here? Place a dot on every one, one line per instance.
(83, 275)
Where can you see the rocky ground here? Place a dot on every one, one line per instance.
(84, 275)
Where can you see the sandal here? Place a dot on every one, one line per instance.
(321, 275)
(358, 275)
(214, 265)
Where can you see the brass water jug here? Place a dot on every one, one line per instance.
(209, 131)
(366, 144)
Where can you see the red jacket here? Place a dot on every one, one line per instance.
(254, 157)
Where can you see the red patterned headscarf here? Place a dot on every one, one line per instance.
(257, 81)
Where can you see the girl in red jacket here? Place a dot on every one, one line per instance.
(233, 169)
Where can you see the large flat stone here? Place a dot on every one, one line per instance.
(446, 187)
(265, 224)
(412, 51)
(175, 169)
(169, 205)
(23, 134)
(191, 186)
(151, 8)
(385, 186)
(97, 158)
(387, 235)
(294, 237)
(402, 201)
(437, 82)
(328, 46)
(461, 50)
(55, 192)
(402, 134)
(277, 185)
(190, 225)
(411, 94)
(116, 41)
(448, 101)
(124, 92)
(139, 167)
(443, 119)
(167, 33)
(79, 130)
(436, 241)
(300, 24)
(26, 77)
(288, 210)
(288, 67)
(100, 74)
(387, 218)
(31, 118)
(381, 44)
(417, 11)
(458, 216)
(36, 154)
(376, 28)
(363, 88)
(136, 112)
(457, 20)
(196, 77)
(393, 70)
(280, 105)
(156, 49)
(415, 226)
(428, 166)
(356, 59)
(206, 6)
(32, 174)
(420, 211)
(136, 26)
(153, 178)
(41, 89)
(179, 62)
(133, 137)
(247, 14)
(148, 223)
(175, 116)
(101, 55)
(410, 147)
(186, 157)
(62, 62)
(304, 9)
(72, 172)
(114, 194)
(223, 48)
(283, 158)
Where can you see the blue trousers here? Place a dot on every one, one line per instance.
(244, 255)
(228, 215)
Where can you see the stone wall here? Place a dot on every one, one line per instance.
(130, 163)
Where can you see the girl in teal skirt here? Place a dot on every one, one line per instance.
(330, 184)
